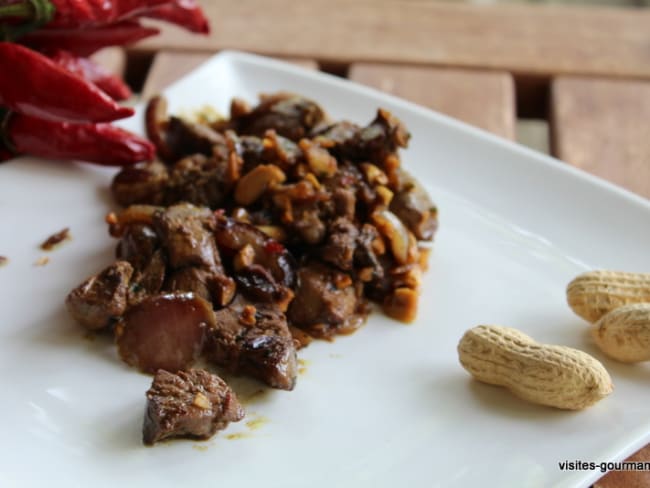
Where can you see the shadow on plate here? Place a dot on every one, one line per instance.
(639, 372)
(58, 330)
(121, 432)
(501, 401)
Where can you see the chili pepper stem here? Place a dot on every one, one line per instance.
(17, 10)
(40, 11)
(35, 13)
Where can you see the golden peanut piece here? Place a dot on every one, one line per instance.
(595, 293)
(244, 258)
(241, 214)
(556, 376)
(373, 174)
(401, 304)
(385, 195)
(624, 333)
(402, 242)
(320, 161)
(253, 184)
(274, 232)
(247, 316)
(201, 401)
(311, 178)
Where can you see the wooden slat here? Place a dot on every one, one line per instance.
(169, 66)
(111, 58)
(602, 126)
(523, 39)
(481, 98)
(628, 479)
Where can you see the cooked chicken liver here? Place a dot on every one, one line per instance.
(326, 302)
(186, 239)
(164, 331)
(341, 244)
(253, 340)
(276, 210)
(141, 183)
(137, 245)
(102, 298)
(291, 116)
(194, 404)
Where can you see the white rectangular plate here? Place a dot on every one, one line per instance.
(388, 406)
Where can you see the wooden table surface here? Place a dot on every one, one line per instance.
(584, 71)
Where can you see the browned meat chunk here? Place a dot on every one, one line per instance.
(232, 236)
(365, 255)
(137, 246)
(341, 244)
(199, 180)
(206, 284)
(183, 232)
(308, 224)
(194, 404)
(414, 207)
(164, 332)
(185, 138)
(259, 285)
(254, 341)
(326, 302)
(337, 134)
(101, 298)
(140, 183)
(140, 246)
(291, 116)
(150, 280)
(251, 150)
(344, 203)
(190, 279)
(381, 138)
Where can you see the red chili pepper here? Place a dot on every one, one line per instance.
(92, 72)
(34, 85)
(186, 13)
(88, 41)
(273, 247)
(73, 14)
(98, 143)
